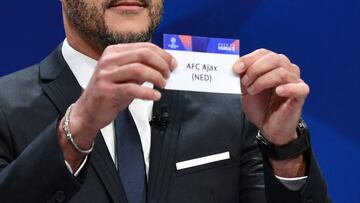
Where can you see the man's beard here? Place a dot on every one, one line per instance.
(90, 22)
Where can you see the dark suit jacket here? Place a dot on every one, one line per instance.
(32, 166)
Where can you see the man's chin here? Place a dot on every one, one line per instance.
(126, 37)
(130, 30)
(129, 27)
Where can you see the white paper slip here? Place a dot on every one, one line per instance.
(204, 64)
(202, 160)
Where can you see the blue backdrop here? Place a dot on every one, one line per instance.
(320, 36)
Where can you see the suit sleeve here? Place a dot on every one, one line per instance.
(259, 184)
(314, 190)
(39, 173)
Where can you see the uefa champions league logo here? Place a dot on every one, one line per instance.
(173, 44)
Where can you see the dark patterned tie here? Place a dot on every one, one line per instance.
(131, 165)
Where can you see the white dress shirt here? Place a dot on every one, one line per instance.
(83, 68)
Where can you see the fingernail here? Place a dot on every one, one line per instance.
(167, 76)
(157, 95)
(174, 63)
(163, 83)
(245, 80)
(279, 90)
(240, 67)
(251, 90)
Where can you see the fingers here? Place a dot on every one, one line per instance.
(138, 73)
(293, 90)
(145, 45)
(130, 65)
(143, 50)
(131, 90)
(164, 54)
(143, 56)
(264, 65)
(264, 69)
(246, 61)
(272, 79)
(118, 79)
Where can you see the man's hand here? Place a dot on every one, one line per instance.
(273, 97)
(116, 82)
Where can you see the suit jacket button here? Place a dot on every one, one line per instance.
(60, 196)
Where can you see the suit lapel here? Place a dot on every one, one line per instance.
(163, 146)
(105, 168)
(62, 88)
(60, 84)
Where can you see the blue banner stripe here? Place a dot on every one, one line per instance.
(201, 44)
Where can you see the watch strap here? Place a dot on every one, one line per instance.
(289, 150)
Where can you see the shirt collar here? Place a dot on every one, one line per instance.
(81, 65)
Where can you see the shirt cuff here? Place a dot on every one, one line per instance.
(79, 169)
(294, 184)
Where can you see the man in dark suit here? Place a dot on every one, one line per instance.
(64, 122)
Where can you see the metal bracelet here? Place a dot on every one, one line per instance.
(69, 137)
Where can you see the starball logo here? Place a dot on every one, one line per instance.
(226, 47)
(173, 44)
